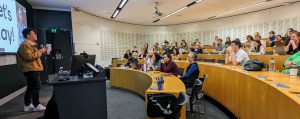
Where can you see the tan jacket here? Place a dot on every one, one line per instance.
(28, 57)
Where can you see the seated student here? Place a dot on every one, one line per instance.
(134, 50)
(156, 62)
(235, 55)
(143, 53)
(192, 71)
(227, 42)
(168, 66)
(149, 60)
(175, 54)
(132, 63)
(249, 42)
(257, 48)
(183, 47)
(294, 44)
(198, 49)
(288, 36)
(291, 61)
(272, 36)
(127, 54)
(219, 46)
(278, 38)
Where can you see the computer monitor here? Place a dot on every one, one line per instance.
(78, 62)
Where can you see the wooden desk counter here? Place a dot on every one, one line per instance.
(264, 58)
(140, 83)
(250, 97)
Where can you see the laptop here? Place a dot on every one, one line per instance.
(279, 43)
(279, 50)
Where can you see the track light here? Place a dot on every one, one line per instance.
(122, 4)
(119, 8)
(188, 5)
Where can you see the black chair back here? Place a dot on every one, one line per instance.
(198, 60)
(195, 90)
(269, 53)
(209, 60)
(221, 61)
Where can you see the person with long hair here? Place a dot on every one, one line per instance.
(288, 36)
(128, 54)
(249, 42)
(227, 42)
(156, 61)
(294, 44)
(257, 48)
(183, 47)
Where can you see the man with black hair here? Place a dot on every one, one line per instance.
(272, 36)
(168, 66)
(235, 55)
(29, 62)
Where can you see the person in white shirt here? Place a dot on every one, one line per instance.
(257, 48)
(235, 55)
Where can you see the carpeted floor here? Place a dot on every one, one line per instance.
(120, 105)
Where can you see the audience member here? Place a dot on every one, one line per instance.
(278, 38)
(198, 49)
(257, 48)
(157, 62)
(294, 44)
(168, 66)
(183, 47)
(249, 42)
(192, 71)
(227, 42)
(127, 54)
(235, 55)
(219, 46)
(272, 36)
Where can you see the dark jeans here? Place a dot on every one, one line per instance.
(33, 88)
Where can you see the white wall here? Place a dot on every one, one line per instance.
(108, 39)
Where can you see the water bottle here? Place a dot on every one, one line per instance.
(272, 65)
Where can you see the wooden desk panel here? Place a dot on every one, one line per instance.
(140, 82)
(264, 58)
(247, 96)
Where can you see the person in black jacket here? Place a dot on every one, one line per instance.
(294, 44)
(128, 54)
(192, 71)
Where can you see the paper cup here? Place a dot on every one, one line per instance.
(293, 72)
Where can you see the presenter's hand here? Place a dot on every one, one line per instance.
(43, 50)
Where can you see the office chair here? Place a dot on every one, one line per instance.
(197, 90)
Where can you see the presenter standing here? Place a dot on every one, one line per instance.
(30, 64)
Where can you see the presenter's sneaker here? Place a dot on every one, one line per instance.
(28, 108)
(39, 108)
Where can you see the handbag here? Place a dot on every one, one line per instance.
(254, 65)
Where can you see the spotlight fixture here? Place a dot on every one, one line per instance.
(188, 5)
(119, 8)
